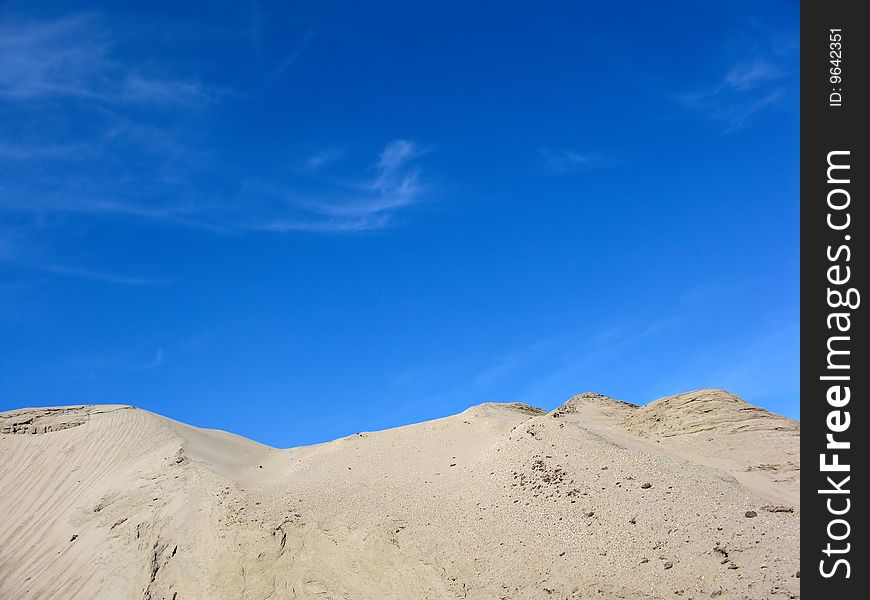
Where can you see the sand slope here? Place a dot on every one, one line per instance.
(597, 499)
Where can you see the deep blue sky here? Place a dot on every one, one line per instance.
(298, 221)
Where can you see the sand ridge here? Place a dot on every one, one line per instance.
(691, 496)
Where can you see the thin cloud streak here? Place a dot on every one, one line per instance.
(365, 204)
(565, 160)
(372, 202)
(35, 151)
(103, 277)
(328, 226)
(563, 361)
(60, 57)
(155, 362)
(323, 158)
(749, 86)
(294, 55)
(746, 76)
(72, 57)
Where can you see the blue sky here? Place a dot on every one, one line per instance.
(297, 221)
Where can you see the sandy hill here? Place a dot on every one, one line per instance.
(692, 496)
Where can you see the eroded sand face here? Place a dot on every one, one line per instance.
(597, 499)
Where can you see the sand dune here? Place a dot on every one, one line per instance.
(692, 496)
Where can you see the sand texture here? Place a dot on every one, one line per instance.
(692, 496)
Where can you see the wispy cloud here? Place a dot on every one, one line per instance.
(747, 76)
(293, 56)
(72, 57)
(361, 204)
(396, 184)
(330, 204)
(137, 160)
(86, 130)
(126, 361)
(550, 368)
(759, 80)
(154, 362)
(255, 26)
(761, 367)
(323, 225)
(753, 373)
(65, 56)
(101, 276)
(565, 160)
(323, 158)
(541, 372)
(163, 91)
(17, 151)
(396, 154)
(745, 90)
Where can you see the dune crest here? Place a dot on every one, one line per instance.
(717, 428)
(598, 498)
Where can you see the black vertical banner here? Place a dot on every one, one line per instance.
(835, 374)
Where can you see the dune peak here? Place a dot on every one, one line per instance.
(588, 399)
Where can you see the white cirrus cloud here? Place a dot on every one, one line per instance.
(365, 203)
(72, 57)
(566, 160)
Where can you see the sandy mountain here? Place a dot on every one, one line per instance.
(692, 496)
